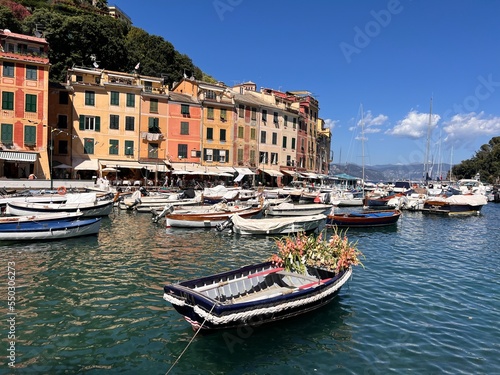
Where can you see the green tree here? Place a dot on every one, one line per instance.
(486, 162)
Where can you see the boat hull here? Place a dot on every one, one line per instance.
(251, 296)
(206, 220)
(277, 226)
(363, 220)
(52, 231)
(103, 208)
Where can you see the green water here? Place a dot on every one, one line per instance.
(427, 301)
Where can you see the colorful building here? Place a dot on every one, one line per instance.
(23, 119)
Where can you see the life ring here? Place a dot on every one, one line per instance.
(61, 190)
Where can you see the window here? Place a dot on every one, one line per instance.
(114, 121)
(210, 134)
(8, 69)
(182, 151)
(153, 125)
(210, 95)
(263, 157)
(275, 139)
(129, 147)
(185, 109)
(208, 154)
(90, 98)
(294, 123)
(274, 158)
(240, 131)
(254, 114)
(252, 157)
(31, 72)
(262, 136)
(90, 123)
(210, 113)
(184, 128)
(88, 145)
(7, 134)
(223, 114)
(113, 146)
(130, 100)
(222, 134)
(153, 105)
(240, 156)
(114, 98)
(7, 100)
(285, 120)
(148, 86)
(264, 115)
(30, 103)
(223, 156)
(284, 142)
(293, 143)
(153, 151)
(62, 121)
(63, 97)
(241, 111)
(289, 160)
(253, 134)
(275, 120)
(79, 78)
(129, 123)
(62, 147)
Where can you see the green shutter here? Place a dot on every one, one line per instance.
(82, 122)
(98, 123)
(7, 133)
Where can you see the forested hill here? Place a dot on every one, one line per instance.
(76, 29)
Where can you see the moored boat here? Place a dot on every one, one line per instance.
(470, 204)
(363, 219)
(94, 209)
(260, 293)
(290, 209)
(273, 226)
(47, 227)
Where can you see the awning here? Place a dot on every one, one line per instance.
(19, 156)
(291, 173)
(272, 172)
(85, 164)
(226, 169)
(244, 171)
(122, 164)
(310, 175)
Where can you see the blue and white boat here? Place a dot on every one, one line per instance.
(47, 227)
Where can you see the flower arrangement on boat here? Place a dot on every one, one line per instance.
(296, 253)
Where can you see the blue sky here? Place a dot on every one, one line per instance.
(387, 57)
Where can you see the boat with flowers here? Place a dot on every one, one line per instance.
(307, 274)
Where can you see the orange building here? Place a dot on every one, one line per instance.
(23, 119)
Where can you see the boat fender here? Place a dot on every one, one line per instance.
(61, 190)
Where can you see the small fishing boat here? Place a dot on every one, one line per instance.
(91, 209)
(254, 294)
(290, 209)
(470, 204)
(47, 227)
(203, 216)
(363, 219)
(273, 226)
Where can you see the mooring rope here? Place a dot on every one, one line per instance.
(189, 343)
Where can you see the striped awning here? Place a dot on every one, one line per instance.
(29, 157)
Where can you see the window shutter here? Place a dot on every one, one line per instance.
(98, 123)
(82, 122)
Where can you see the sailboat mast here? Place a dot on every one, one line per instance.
(363, 149)
(426, 162)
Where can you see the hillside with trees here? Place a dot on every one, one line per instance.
(486, 162)
(76, 29)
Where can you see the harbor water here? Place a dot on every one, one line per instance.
(427, 301)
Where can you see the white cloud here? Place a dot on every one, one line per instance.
(415, 125)
(371, 124)
(471, 125)
(331, 124)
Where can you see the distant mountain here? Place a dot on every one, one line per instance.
(389, 172)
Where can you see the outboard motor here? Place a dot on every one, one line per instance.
(224, 225)
(168, 209)
(143, 191)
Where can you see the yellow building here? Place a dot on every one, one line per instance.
(23, 118)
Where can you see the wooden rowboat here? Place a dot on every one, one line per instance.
(253, 295)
